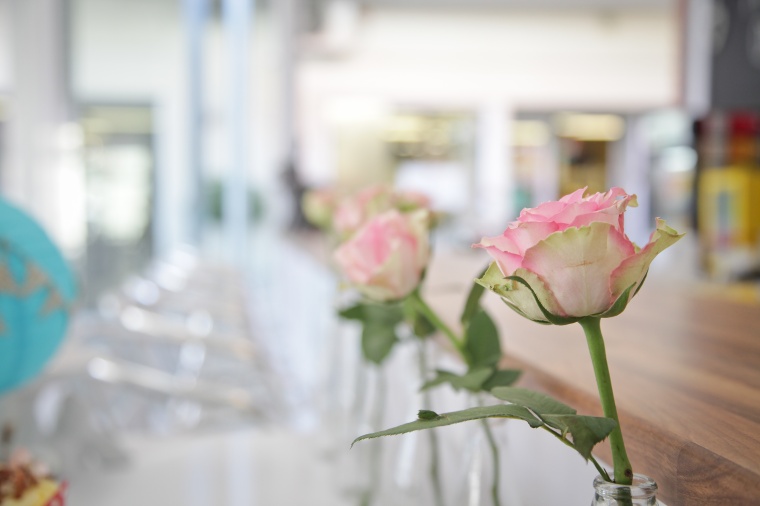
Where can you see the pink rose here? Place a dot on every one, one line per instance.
(386, 257)
(318, 206)
(353, 211)
(574, 254)
(406, 200)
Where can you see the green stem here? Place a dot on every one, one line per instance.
(592, 328)
(435, 473)
(495, 456)
(431, 315)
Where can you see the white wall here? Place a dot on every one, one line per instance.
(536, 58)
(6, 48)
(36, 143)
(540, 59)
(135, 51)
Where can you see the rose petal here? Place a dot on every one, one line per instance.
(547, 210)
(542, 212)
(505, 250)
(634, 268)
(579, 263)
(397, 276)
(517, 239)
(500, 242)
(610, 217)
(576, 196)
(385, 258)
(508, 262)
(419, 225)
(611, 198)
(607, 207)
(527, 235)
(571, 212)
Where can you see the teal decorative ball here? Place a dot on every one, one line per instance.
(37, 290)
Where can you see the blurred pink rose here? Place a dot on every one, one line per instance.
(353, 211)
(318, 206)
(386, 257)
(406, 200)
(574, 254)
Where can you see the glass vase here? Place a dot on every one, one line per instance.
(359, 471)
(414, 468)
(481, 462)
(642, 492)
(387, 471)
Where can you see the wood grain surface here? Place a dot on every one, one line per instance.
(685, 366)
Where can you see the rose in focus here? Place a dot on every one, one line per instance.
(386, 257)
(575, 256)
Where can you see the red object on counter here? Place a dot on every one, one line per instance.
(59, 499)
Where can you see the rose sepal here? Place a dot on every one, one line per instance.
(552, 319)
(620, 303)
(494, 280)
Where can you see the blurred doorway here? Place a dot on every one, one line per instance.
(119, 166)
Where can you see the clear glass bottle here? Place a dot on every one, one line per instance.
(480, 458)
(642, 492)
(414, 469)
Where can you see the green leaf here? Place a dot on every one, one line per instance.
(586, 431)
(422, 327)
(374, 312)
(377, 341)
(482, 341)
(383, 314)
(551, 318)
(472, 381)
(355, 312)
(444, 419)
(501, 378)
(472, 304)
(537, 402)
(420, 324)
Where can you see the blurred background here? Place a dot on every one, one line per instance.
(146, 135)
(129, 127)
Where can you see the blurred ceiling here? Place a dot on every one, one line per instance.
(564, 4)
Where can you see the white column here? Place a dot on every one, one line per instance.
(195, 16)
(493, 181)
(6, 46)
(286, 23)
(697, 56)
(237, 18)
(37, 111)
(629, 162)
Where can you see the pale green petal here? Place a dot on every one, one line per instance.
(521, 297)
(419, 225)
(633, 269)
(576, 266)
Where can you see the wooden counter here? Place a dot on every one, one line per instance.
(685, 367)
